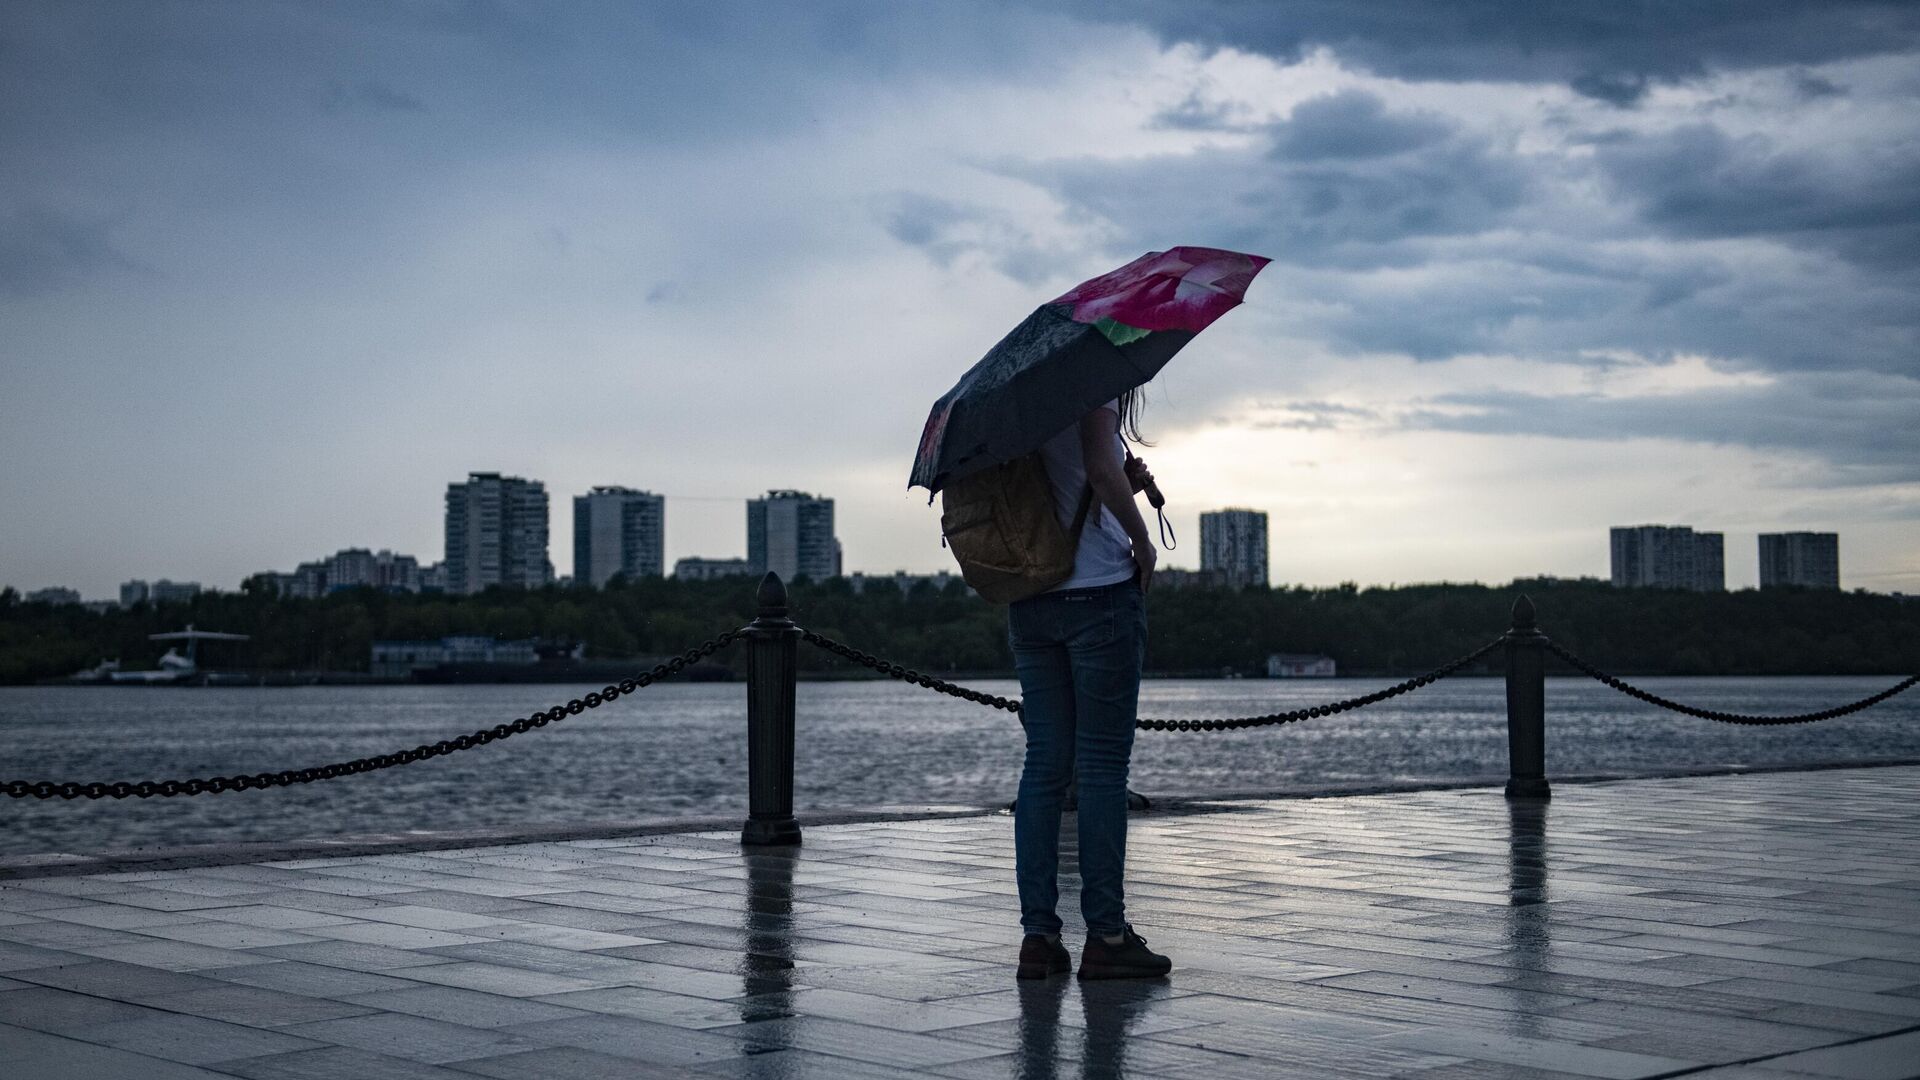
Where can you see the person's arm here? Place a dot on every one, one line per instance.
(1112, 488)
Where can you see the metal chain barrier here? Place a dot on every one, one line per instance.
(1317, 711)
(213, 785)
(906, 674)
(1725, 717)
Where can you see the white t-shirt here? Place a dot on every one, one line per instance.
(1105, 555)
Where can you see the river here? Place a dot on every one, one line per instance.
(679, 749)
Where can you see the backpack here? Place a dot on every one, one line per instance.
(1000, 525)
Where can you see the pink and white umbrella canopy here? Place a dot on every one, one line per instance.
(1183, 288)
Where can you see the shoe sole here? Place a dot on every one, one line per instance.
(1038, 971)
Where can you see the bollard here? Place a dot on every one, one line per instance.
(1526, 706)
(772, 641)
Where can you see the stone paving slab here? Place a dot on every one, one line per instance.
(1757, 926)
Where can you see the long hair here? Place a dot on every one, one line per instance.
(1131, 403)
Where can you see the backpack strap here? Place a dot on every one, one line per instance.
(1080, 515)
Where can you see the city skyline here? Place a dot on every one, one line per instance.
(1639, 555)
(271, 274)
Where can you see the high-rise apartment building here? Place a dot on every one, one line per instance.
(618, 530)
(496, 533)
(1233, 547)
(1808, 559)
(1668, 557)
(791, 533)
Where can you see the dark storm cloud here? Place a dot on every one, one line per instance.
(1602, 48)
(945, 230)
(1398, 229)
(1622, 89)
(1196, 113)
(324, 137)
(1858, 421)
(494, 72)
(1698, 181)
(1351, 124)
(1810, 86)
(923, 221)
(1342, 183)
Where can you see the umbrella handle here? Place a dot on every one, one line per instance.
(1152, 489)
(1159, 504)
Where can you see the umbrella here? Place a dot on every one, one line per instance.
(1075, 353)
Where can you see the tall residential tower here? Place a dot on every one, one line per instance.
(1668, 557)
(791, 533)
(1807, 559)
(1233, 547)
(496, 533)
(618, 530)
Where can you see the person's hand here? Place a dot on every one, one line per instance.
(1144, 557)
(1138, 474)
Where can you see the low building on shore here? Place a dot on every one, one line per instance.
(1299, 666)
(900, 580)
(349, 568)
(400, 659)
(698, 569)
(1177, 578)
(158, 592)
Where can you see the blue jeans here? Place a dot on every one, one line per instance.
(1079, 653)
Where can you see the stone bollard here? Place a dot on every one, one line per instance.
(1526, 706)
(772, 641)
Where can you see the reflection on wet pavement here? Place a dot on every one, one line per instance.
(1529, 911)
(1635, 928)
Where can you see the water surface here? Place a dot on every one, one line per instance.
(680, 749)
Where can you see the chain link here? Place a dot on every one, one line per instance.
(1726, 717)
(1317, 711)
(906, 674)
(213, 785)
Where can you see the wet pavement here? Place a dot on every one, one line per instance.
(1765, 925)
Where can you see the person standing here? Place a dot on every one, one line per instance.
(1078, 649)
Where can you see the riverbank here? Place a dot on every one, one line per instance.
(1401, 629)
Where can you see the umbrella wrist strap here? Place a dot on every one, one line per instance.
(1167, 539)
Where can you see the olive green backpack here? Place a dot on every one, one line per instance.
(1000, 525)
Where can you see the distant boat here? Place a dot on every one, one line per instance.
(174, 669)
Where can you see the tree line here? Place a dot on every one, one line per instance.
(1193, 631)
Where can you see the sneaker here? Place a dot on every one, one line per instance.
(1040, 957)
(1131, 959)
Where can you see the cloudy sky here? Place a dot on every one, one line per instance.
(273, 274)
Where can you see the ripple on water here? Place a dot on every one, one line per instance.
(679, 750)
